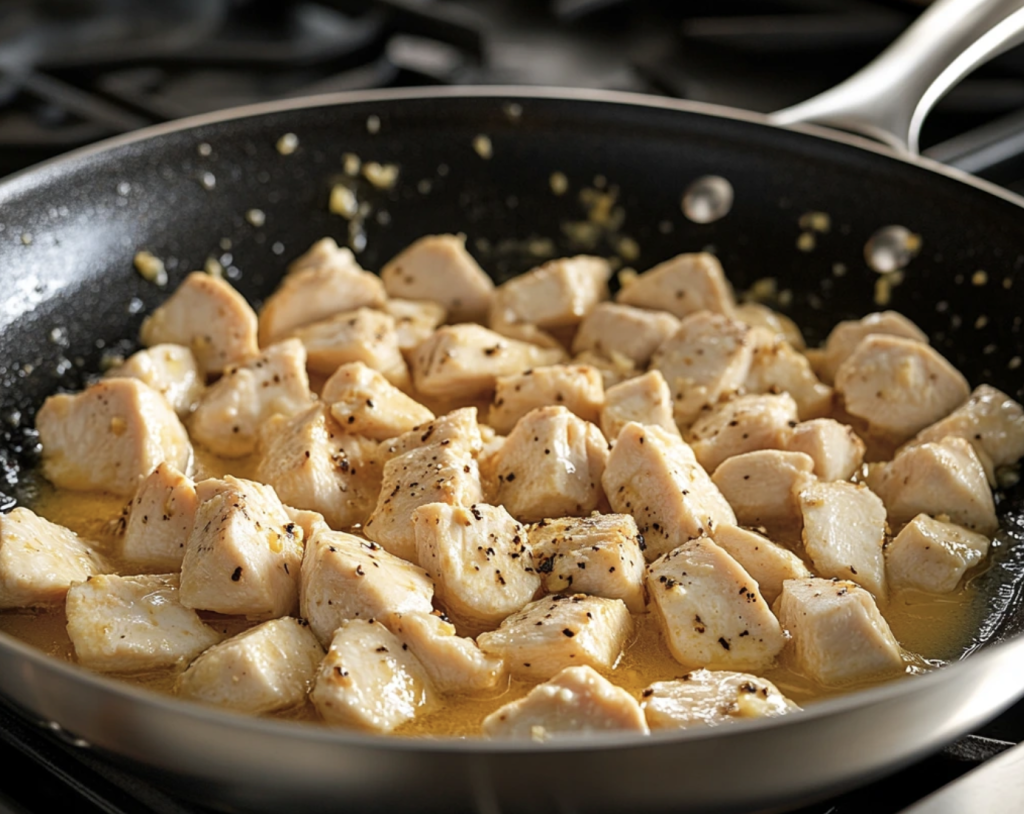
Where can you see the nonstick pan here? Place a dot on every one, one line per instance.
(481, 161)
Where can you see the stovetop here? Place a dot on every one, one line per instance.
(76, 71)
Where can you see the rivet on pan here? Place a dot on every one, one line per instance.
(707, 199)
(891, 248)
(277, 248)
(204, 149)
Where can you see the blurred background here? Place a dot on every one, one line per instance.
(76, 71)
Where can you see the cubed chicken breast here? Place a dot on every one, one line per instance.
(576, 701)
(614, 369)
(415, 321)
(465, 361)
(312, 464)
(683, 285)
(551, 466)
(634, 333)
(644, 399)
(267, 668)
(898, 386)
(711, 611)
(210, 318)
(578, 388)
(431, 474)
(844, 532)
(711, 698)
(838, 635)
(39, 560)
(653, 475)
(777, 367)
(705, 361)
(453, 663)
(845, 337)
(109, 437)
(131, 624)
(457, 430)
(244, 552)
(348, 577)
(933, 555)
(325, 281)
(763, 487)
(363, 335)
(365, 403)
(368, 682)
(837, 451)
(601, 555)
(171, 370)
(438, 268)
(159, 521)
(228, 418)
(557, 632)
(767, 562)
(937, 478)
(479, 559)
(558, 294)
(745, 424)
(757, 315)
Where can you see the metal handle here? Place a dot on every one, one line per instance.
(889, 98)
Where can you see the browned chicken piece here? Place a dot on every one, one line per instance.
(844, 533)
(109, 437)
(159, 521)
(365, 403)
(745, 424)
(558, 294)
(777, 367)
(557, 632)
(933, 555)
(347, 577)
(323, 282)
(578, 700)
(479, 559)
(705, 361)
(578, 388)
(763, 487)
(710, 610)
(683, 285)
(243, 554)
(644, 399)
(312, 464)
(838, 635)
(363, 335)
(767, 562)
(614, 369)
(711, 698)
(835, 448)
(210, 318)
(899, 386)
(631, 332)
(171, 370)
(601, 555)
(937, 478)
(653, 475)
(845, 337)
(551, 466)
(438, 268)
(458, 430)
(430, 474)
(415, 321)
(229, 416)
(757, 315)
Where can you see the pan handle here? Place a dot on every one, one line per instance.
(890, 97)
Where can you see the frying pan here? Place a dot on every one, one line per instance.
(188, 190)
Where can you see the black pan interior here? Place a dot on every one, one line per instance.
(69, 230)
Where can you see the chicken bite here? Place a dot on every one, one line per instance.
(479, 560)
(551, 466)
(576, 701)
(171, 370)
(932, 555)
(768, 563)
(365, 403)
(777, 367)
(363, 335)
(457, 430)
(838, 635)
(762, 487)
(644, 399)
(109, 437)
(210, 318)
(745, 424)
(578, 388)
(368, 682)
(711, 698)
(558, 294)
(847, 335)
(267, 668)
(159, 521)
(415, 321)
(711, 611)
(757, 315)
(835, 448)
(683, 285)
(614, 369)
(653, 475)
(631, 332)
(131, 624)
(601, 555)
(39, 560)
(228, 418)
(557, 632)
